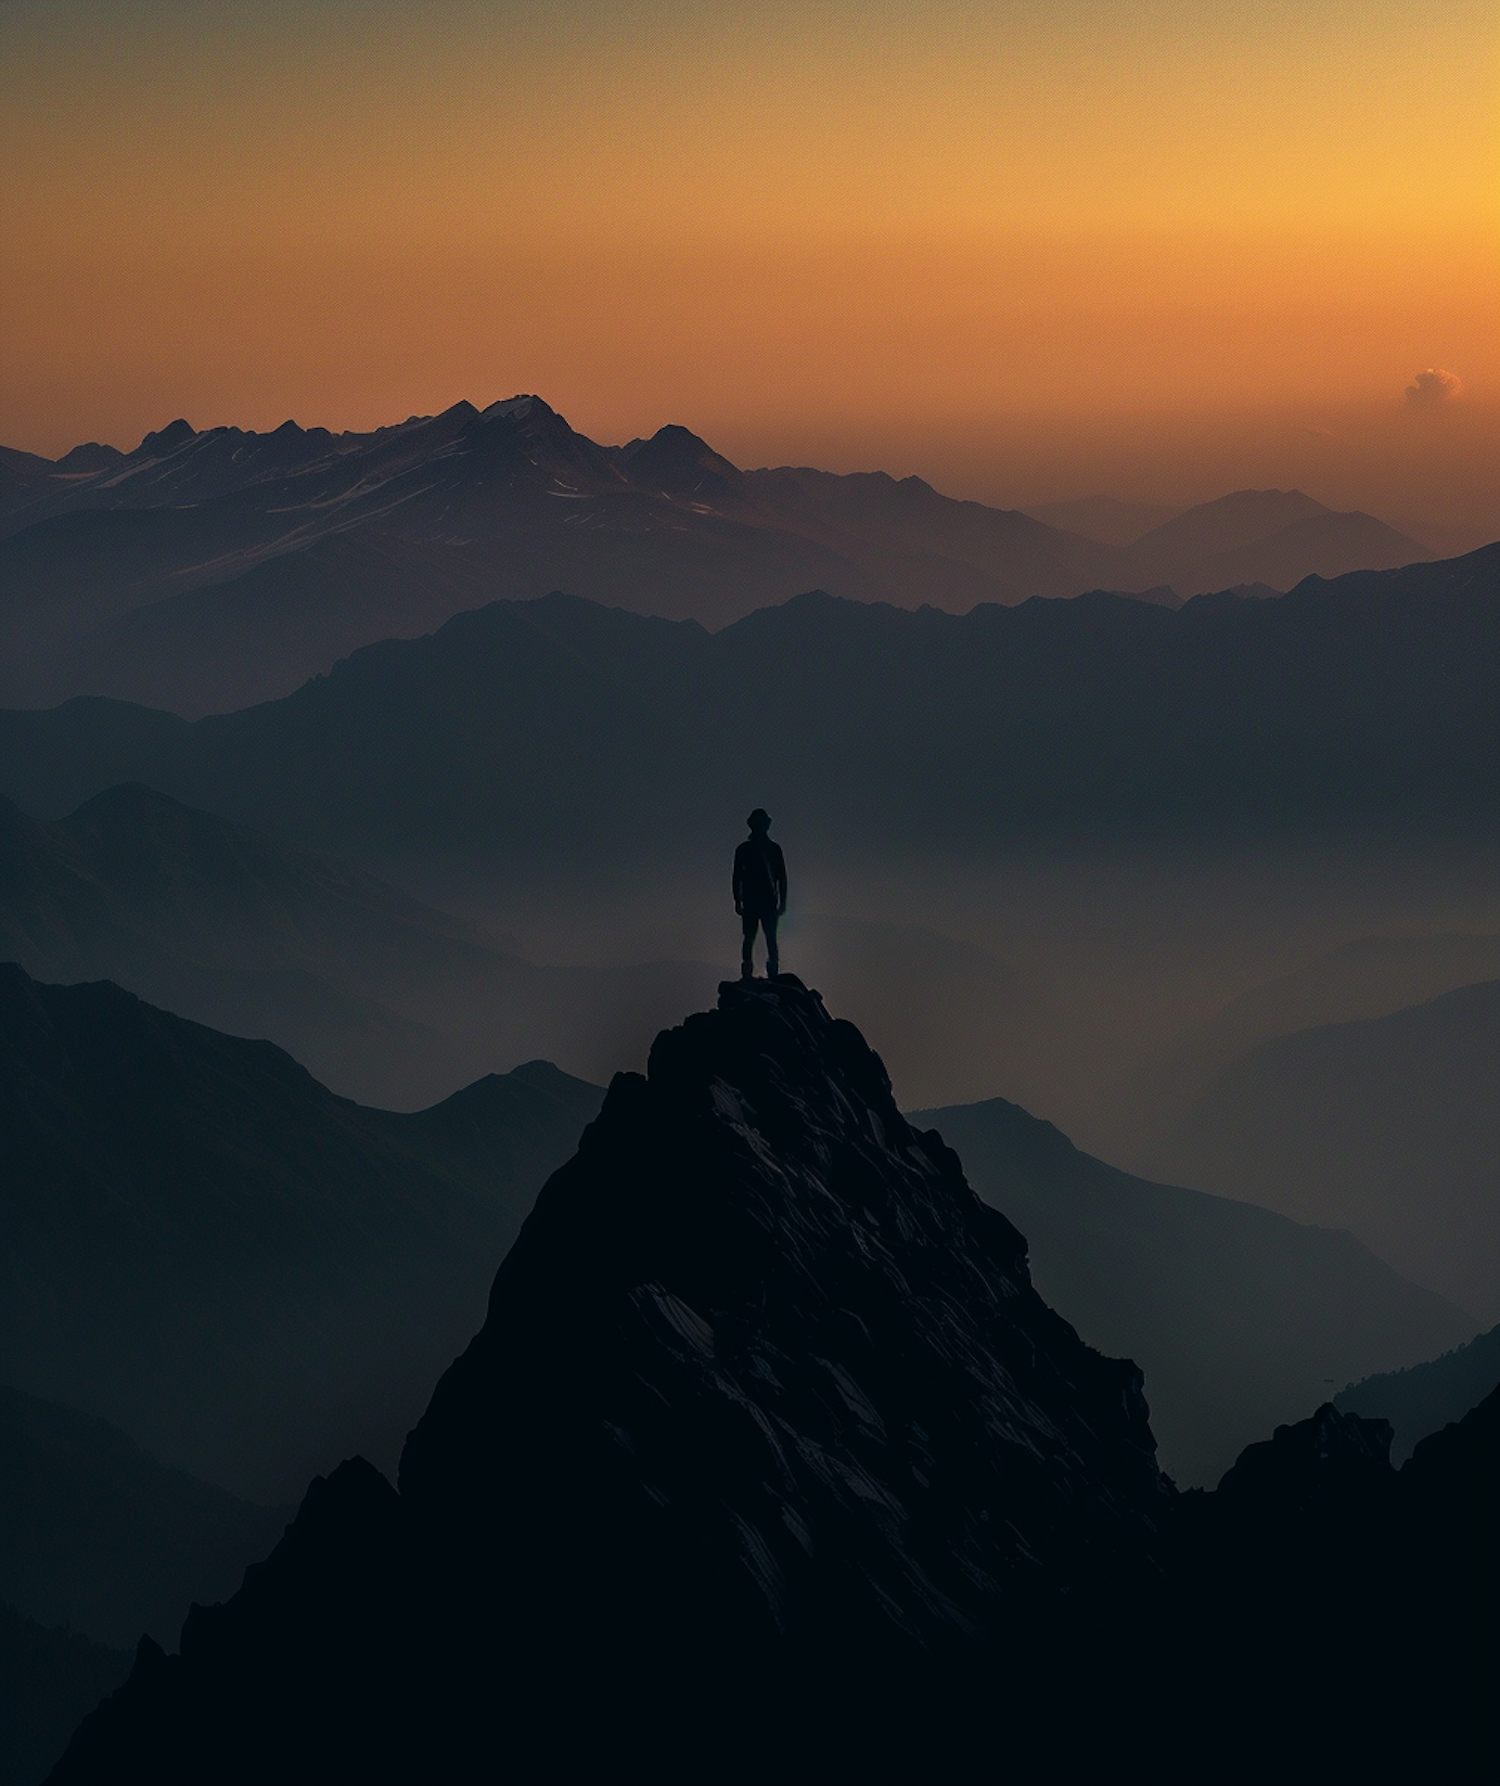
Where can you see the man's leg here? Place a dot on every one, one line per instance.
(773, 958)
(747, 950)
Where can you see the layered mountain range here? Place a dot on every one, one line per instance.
(334, 1253)
(381, 996)
(209, 570)
(559, 734)
(97, 1536)
(250, 1276)
(1367, 978)
(770, 1452)
(1391, 1123)
(769, 1457)
(1240, 1318)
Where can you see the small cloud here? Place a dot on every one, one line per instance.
(1321, 433)
(1433, 389)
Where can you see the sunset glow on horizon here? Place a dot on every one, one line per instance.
(1029, 249)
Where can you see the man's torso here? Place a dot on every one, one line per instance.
(759, 872)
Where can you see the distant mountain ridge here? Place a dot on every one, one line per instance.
(208, 570)
(1241, 1319)
(249, 1275)
(1389, 1126)
(1368, 977)
(96, 1535)
(1270, 537)
(559, 729)
(380, 996)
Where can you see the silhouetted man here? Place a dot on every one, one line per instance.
(759, 891)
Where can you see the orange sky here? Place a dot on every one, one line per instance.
(1031, 248)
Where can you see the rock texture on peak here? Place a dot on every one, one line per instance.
(775, 1367)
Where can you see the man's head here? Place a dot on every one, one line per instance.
(759, 821)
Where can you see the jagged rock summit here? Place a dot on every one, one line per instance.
(783, 1366)
(763, 1389)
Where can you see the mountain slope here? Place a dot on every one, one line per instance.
(96, 1535)
(250, 1275)
(1240, 1318)
(1390, 1127)
(1211, 529)
(764, 1241)
(950, 1017)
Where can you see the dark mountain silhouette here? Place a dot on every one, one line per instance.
(675, 462)
(1239, 1318)
(24, 477)
(251, 1276)
(206, 571)
(1160, 595)
(754, 1202)
(1427, 1397)
(378, 995)
(1334, 1581)
(768, 1461)
(50, 1678)
(98, 1536)
(1390, 1127)
(557, 730)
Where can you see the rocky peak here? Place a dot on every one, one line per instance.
(760, 1346)
(167, 440)
(679, 463)
(525, 432)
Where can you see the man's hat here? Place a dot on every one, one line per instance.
(759, 820)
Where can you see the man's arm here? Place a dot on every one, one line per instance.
(737, 884)
(780, 880)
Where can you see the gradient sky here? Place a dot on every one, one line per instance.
(1031, 248)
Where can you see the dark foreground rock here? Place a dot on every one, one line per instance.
(770, 1463)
